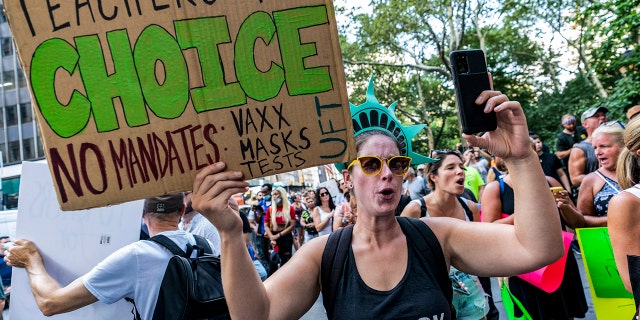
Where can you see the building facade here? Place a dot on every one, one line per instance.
(19, 135)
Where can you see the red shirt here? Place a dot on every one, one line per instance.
(280, 216)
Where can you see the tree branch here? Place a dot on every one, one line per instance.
(401, 65)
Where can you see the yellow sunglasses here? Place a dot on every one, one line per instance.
(372, 165)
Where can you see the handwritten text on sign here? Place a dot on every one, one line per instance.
(133, 104)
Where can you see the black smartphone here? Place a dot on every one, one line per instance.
(470, 78)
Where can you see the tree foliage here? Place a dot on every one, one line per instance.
(406, 44)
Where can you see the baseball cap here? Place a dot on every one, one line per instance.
(168, 203)
(567, 119)
(633, 111)
(421, 166)
(591, 112)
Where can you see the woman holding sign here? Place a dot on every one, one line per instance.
(384, 270)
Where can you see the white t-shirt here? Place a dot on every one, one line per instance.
(324, 216)
(134, 271)
(203, 227)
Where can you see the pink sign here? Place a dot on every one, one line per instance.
(548, 278)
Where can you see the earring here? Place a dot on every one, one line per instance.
(350, 186)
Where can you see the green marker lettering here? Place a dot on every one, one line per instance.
(301, 80)
(167, 98)
(205, 34)
(258, 85)
(65, 120)
(102, 88)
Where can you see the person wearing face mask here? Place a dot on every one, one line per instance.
(266, 196)
(280, 219)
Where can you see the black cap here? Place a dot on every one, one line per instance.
(168, 203)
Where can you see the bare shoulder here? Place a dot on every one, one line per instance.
(576, 152)
(412, 209)
(590, 180)
(623, 204)
(442, 227)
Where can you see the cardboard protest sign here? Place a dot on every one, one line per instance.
(71, 243)
(610, 299)
(134, 97)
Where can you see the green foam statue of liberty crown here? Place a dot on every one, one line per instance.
(371, 115)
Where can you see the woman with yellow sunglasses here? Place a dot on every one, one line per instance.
(384, 272)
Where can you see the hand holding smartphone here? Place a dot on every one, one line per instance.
(470, 78)
(556, 189)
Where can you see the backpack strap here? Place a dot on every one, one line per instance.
(172, 246)
(134, 311)
(425, 241)
(201, 243)
(423, 207)
(501, 181)
(466, 208)
(331, 269)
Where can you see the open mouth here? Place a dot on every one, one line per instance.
(386, 191)
(460, 181)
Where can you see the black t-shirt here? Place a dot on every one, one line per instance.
(550, 165)
(246, 227)
(565, 141)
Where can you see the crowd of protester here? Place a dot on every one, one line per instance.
(466, 197)
(483, 181)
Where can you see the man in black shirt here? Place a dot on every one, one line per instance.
(569, 136)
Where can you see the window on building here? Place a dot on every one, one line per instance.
(3, 18)
(26, 113)
(14, 152)
(10, 191)
(22, 81)
(28, 149)
(40, 147)
(7, 47)
(8, 80)
(11, 115)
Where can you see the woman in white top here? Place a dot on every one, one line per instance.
(624, 228)
(323, 212)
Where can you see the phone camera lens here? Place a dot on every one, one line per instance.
(463, 65)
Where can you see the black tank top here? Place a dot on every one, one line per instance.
(506, 197)
(417, 295)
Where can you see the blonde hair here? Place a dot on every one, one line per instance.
(628, 170)
(286, 207)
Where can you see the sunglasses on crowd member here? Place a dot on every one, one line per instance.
(435, 153)
(613, 123)
(372, 165)
(322, 194)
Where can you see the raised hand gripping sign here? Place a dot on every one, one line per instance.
(134, 97)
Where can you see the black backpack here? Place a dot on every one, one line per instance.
(191, 287)
(335, 253)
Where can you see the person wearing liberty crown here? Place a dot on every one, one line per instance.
(384, 276)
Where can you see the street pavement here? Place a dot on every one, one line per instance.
(317, 311)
